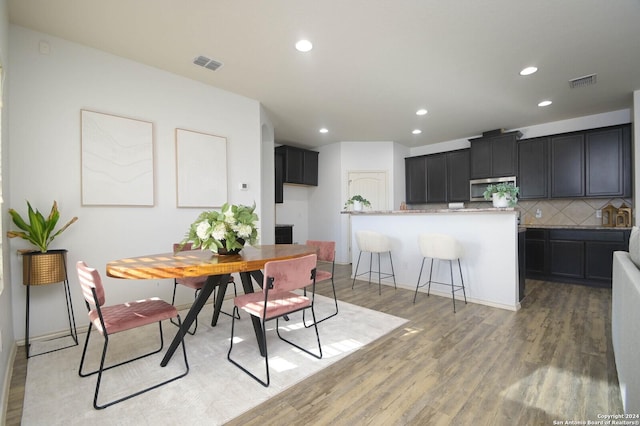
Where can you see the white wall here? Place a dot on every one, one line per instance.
(47, 93)
(7, 339)
(294, 210)
(267, 180)
(325, 201)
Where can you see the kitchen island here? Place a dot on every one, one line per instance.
(489, 238)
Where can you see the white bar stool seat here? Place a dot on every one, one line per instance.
(441, 247)
(373, 242)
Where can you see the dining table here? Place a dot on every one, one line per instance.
(197, 263)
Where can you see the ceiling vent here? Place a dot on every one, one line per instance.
(211, 64)
(587, 80)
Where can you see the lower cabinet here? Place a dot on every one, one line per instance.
(579, 256)
(284, 234)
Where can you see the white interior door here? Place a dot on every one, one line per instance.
(371, 185)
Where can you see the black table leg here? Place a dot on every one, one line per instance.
(203, 295)
(222, 289)
(247, 285)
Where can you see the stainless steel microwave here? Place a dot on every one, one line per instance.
(478, 186)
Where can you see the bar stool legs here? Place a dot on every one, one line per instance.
(380, 274)
(374, 242)
(440, 247)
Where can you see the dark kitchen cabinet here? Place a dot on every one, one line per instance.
(533, 168)
(415, 180)
(567, 166)
(438, 178)
(299, 166)
(436, 167)
(592, 163)
(458, 175)
(279, 177)
(580, 256)
(535, 251)
(494, 156)
(566, 258)
(284, 234)
(608, 162)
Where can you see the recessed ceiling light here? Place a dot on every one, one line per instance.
(528, 71)
(544, 103)
(421, 112)
(417, 131)
(304, 45)
(324, 130)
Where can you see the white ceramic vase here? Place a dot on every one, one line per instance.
(500, 201)
(357, 206)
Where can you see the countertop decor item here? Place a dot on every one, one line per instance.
(38, 230)
(503, 194)
(225, 231)
(357, 201)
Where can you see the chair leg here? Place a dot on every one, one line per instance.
(355, 274)
(464, 293)
(335, 300)
(371, 266)
(453, 293)
(418, 283)
(266, 382)
(393, 273)
(102, 368)
(233, 312)
(315, 324)
(173, 302)
(379, 276)
(430, 275)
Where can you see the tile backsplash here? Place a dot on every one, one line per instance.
(582, 211)
(570, 212)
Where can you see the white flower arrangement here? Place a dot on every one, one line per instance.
(225, 231)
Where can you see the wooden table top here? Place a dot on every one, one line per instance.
(196, 263)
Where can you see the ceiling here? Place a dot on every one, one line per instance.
(375, 62)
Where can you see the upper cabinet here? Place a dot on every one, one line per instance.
(299, 166)
(591, 163)
(437, 178)
(458, 175)
(567, 166)
(533, 178)
(608, 162)
(415, 170)
(494, 155)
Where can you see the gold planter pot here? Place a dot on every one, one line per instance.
(44, 268)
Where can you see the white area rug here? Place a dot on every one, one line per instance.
(214, 391)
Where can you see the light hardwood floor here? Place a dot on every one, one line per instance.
(551, 360)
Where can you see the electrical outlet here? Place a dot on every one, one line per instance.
(599, 214)
(538, 213)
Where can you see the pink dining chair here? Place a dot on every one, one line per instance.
(326, 255)
(278, 299)
(108, 320)
(196, 284)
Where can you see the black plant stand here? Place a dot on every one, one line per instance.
(43, 269)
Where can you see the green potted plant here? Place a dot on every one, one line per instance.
(357, 201)
(223, 232)
(503, 194)
(42, 266)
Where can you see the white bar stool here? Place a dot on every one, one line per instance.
(441, 247)
(374, 242)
